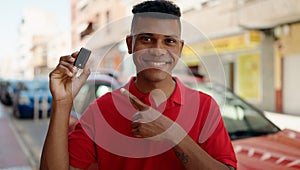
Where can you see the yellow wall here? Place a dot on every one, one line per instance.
(291, 41)
(249, 76)
(245, 41)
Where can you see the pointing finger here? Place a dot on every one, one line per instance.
(134, 100)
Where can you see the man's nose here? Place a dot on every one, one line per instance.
(158, 49)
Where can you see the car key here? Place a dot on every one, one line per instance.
(82, 58)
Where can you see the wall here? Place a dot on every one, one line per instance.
(268, 87)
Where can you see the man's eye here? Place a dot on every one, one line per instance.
(145, 39)
(171, 41)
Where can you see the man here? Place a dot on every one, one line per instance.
(157, 124)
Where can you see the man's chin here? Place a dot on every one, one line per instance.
(156, 71)
(155, 74)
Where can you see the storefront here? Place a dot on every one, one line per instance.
(247, 61)
(287, 64)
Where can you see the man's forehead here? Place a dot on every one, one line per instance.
(168, 27)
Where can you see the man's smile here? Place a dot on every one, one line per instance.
(156, 64)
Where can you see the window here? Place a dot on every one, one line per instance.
(107, 20)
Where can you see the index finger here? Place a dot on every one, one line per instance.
(134, 100)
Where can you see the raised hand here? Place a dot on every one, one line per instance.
(64, 85)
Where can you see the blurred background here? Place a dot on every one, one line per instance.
(257, 42)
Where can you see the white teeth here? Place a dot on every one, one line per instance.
(158, 63)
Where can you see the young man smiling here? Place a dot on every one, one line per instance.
(158, 125)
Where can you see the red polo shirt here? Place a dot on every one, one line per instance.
(103, 139)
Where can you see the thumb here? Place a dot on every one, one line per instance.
(79, 81)
(84, 75)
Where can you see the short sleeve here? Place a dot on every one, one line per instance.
(219, 146)
(82, 151)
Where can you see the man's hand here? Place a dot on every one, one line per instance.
(150, 123)
(64, 86)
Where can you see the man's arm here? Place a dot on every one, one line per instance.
(191, 155)
(55, 153)
(64, 87)
(194, 157)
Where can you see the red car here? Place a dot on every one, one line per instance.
(259, 144)
(280, 150)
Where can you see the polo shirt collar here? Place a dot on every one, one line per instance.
(179, 92)
(176, 97)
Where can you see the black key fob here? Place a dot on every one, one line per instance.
(82, 58)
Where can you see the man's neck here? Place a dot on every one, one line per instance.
(160, 90)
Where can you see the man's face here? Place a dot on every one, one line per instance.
(156, 46)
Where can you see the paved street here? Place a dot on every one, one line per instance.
(32, 132)
(21, 141)
(12, 153)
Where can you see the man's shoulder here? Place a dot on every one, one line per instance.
(110, 96)
(188, 90)
(194, 93)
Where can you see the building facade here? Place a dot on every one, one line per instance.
(96, 24)
(37, 27)
(241, 34)
(287, 64)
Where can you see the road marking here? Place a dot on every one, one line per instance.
(23, 147)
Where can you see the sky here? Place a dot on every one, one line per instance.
(11, 15)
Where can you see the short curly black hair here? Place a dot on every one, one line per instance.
(160, 6)
(161, 9)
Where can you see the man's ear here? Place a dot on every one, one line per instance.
(129, 43)
(182, 45)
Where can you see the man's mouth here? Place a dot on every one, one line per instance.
(157, 63)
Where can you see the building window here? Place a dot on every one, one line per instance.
(89, 29)
(107, 20)
(97, 21)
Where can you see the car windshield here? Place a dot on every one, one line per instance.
(96, 86)
(241, 119)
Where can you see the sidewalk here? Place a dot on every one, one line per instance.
(12, 156)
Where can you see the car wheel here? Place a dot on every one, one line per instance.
(16, 112)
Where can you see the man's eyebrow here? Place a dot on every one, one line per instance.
(152, 34)
(145, 33)
(171, 36)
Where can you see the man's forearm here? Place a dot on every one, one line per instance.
(192, 156)
(55, 151)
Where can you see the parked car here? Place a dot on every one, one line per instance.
(6, 91)
(32, 99)
(4, 95)
(96, 85)
(258, 143)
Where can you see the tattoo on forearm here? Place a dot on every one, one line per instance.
(181, 156)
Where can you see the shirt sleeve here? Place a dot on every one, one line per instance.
(219, 145)
(82, 151)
